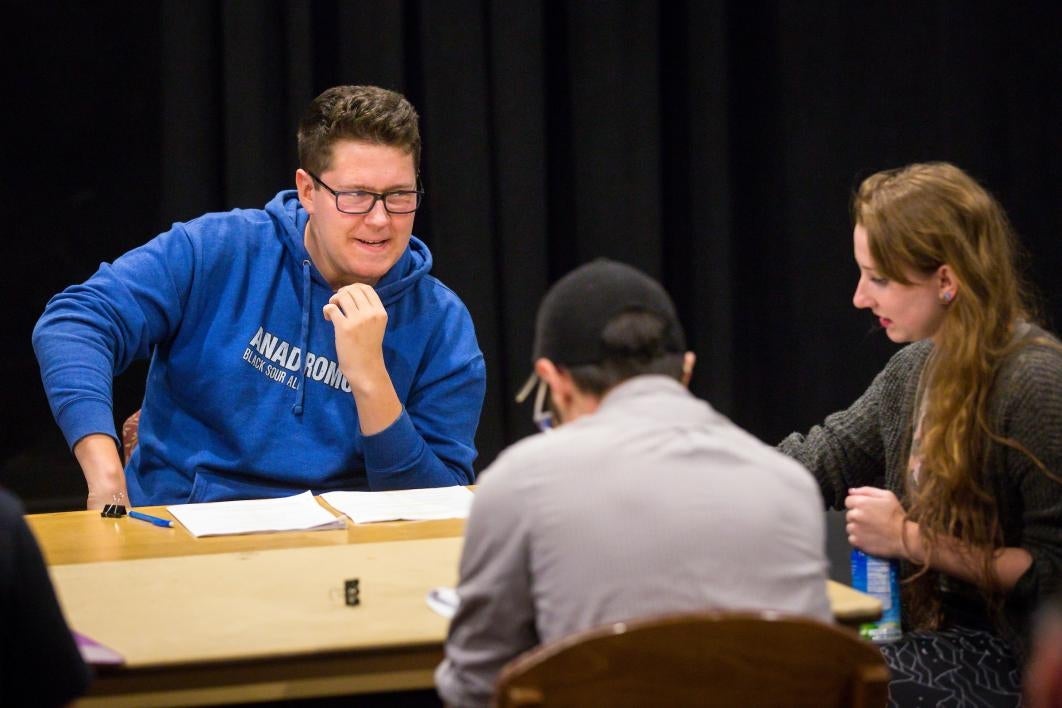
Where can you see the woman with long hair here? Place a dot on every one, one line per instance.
(951, 459)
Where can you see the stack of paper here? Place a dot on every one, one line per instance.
(405, 504)
(296, 513)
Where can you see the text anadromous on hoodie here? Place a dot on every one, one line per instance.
(244, 396)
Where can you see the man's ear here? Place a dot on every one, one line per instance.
(304, 185)
(563, 392)
(689, 360)
(555, 378)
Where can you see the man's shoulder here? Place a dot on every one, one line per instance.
(440, 316)
(219, 241)
(431, 288)
(527, 454)
(544, 459)
(235, 223)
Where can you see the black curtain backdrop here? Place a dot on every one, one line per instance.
(712, 144)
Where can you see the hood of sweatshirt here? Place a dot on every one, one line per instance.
(286, 210)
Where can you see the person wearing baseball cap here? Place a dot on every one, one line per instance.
(641, 500)
(571, 322)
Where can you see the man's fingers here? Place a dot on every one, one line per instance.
(357, 303)
(358, 296)
(372, 297)
(345, 302)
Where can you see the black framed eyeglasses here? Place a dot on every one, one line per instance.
(404, 201)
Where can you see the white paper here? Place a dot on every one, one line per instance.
(443, 600)
(404, 504)
(300, 512)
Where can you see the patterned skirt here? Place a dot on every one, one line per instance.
(952, 668)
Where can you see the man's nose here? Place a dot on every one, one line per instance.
(378, 214)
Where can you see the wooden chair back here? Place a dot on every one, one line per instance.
(701, 659)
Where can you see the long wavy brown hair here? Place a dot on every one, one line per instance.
(918, 218)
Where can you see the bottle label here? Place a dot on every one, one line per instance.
(879, 578)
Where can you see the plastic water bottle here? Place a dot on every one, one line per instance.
(879, 577)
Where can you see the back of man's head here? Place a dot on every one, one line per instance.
(606, 322)
(363, 113)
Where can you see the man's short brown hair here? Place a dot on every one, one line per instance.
(366, 113)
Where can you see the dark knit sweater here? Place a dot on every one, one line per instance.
(868, 445)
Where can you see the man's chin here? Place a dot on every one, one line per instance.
(370, 274)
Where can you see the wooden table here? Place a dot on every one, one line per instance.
(262, 617)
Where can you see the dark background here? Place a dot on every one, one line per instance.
(713, 144)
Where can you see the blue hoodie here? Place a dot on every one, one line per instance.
(244, 394)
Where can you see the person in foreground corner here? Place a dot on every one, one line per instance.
(951, 460)
(643, 500)
(300, 346)
(1043, 673)
(40, 664)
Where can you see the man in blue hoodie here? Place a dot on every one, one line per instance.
(303, 346)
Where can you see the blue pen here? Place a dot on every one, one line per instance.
(151, 519)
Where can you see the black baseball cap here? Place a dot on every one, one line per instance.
(575, 311)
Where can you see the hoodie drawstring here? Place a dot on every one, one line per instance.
(304, 342)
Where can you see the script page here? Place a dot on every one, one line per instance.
(402, 505)
(300, 512)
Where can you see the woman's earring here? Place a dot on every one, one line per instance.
(946, 297)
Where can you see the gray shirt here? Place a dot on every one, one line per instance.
(655, 503)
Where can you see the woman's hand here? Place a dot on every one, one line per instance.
(874, 522)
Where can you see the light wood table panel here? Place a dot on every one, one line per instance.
(261, 616)
(86, 537)
(281, 609)
(851, 607)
